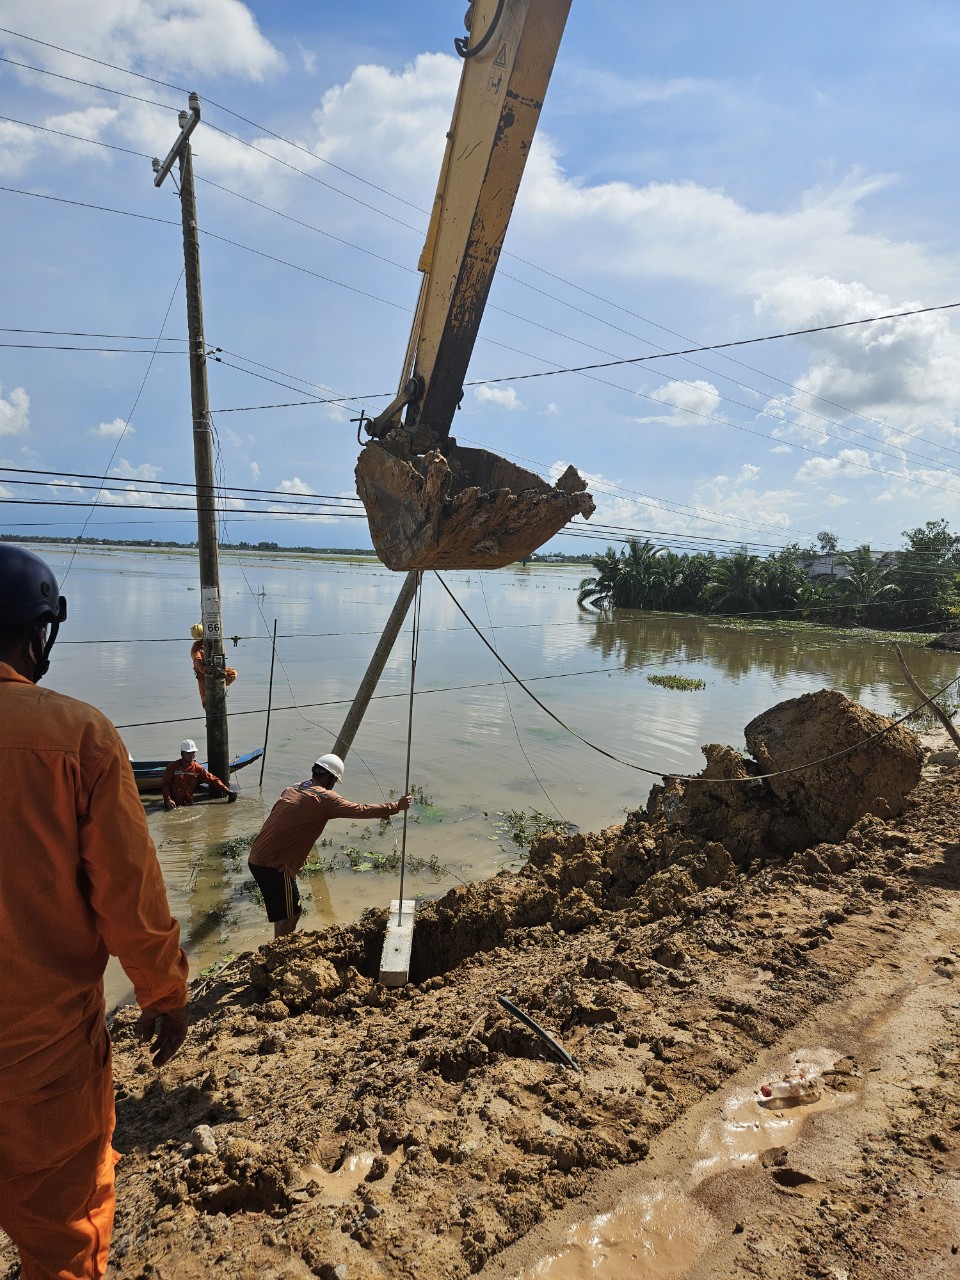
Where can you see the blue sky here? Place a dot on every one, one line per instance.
(701, 174)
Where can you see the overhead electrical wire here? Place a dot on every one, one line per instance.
(686, 777)
(587, 370)
(360, 248)
(315, 158)
(577, 369)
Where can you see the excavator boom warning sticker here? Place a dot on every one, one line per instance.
(498, 74)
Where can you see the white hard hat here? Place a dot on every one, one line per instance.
(188, 744)
(330, 764)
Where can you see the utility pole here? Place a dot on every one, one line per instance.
(218, 751)
(375, 669)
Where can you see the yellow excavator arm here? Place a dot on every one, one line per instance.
(430, 502)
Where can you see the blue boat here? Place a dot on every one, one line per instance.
(149, 773)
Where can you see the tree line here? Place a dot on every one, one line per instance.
(917, 586)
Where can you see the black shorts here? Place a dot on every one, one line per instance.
(281, 894)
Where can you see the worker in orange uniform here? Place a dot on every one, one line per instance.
(182, 777)
(294, 823)
(199, 668)
(80, 882)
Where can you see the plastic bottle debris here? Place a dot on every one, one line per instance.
(800, 1087)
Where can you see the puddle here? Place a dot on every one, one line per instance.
(659, 1231)
(746, 1126)
(342, 1183)
(656, 1234)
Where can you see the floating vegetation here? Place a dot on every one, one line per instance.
(236, 847)
(351, 857)
(684, 683)
(546, 734)
(523, 826)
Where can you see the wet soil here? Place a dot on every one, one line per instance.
(355, 1132)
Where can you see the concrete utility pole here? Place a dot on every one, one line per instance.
(375, 670)
(218, 751)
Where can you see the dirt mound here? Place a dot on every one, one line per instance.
(868, 766)
(348, 1129)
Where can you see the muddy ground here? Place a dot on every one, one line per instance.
(355, 1132)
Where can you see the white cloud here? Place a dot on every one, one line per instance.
(112, 430)
(4, 492)
(254, 471)
(308, 58)
(397, 120)
(715, 507)
(781, 448)
(215, 37)
(684, 231)
(902, 375)
(551, 410)
(89, 122)
(693, 402)
(134, 497)
(14, 412)
(296, 485)
(18, 145)
(734, 497)
(502, 397)
(848, 464)
(126, 471)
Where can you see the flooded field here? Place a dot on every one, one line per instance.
(481, 747)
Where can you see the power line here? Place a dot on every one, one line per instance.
(179, 484)
(75, 137)
(320, 159)
(578, 369)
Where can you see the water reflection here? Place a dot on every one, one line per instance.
(126, 650)
(861, 667)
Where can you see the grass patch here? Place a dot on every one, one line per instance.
(683, 683)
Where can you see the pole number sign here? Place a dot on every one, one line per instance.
(210, 608)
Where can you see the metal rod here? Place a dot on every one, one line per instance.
(406, 784)
(266, 732)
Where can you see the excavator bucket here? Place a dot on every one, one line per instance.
(462, 508)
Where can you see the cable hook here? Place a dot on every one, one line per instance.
(460, 44)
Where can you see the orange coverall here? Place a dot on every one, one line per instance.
(79, 880)
(180, 781)
(199, 670)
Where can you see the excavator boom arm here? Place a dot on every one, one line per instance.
(496, 113)
(431, 503)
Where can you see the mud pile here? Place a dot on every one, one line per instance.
(360, 1132)
(866, 765)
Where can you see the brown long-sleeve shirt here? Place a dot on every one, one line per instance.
(297, 821)
(79, 880)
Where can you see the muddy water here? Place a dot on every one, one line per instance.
(478, 747)
(659, 1231)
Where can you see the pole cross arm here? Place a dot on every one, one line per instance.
(191, 122)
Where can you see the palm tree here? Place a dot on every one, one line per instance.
(595, 592)
(866, 585)
(737, 584)
(623, 581)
